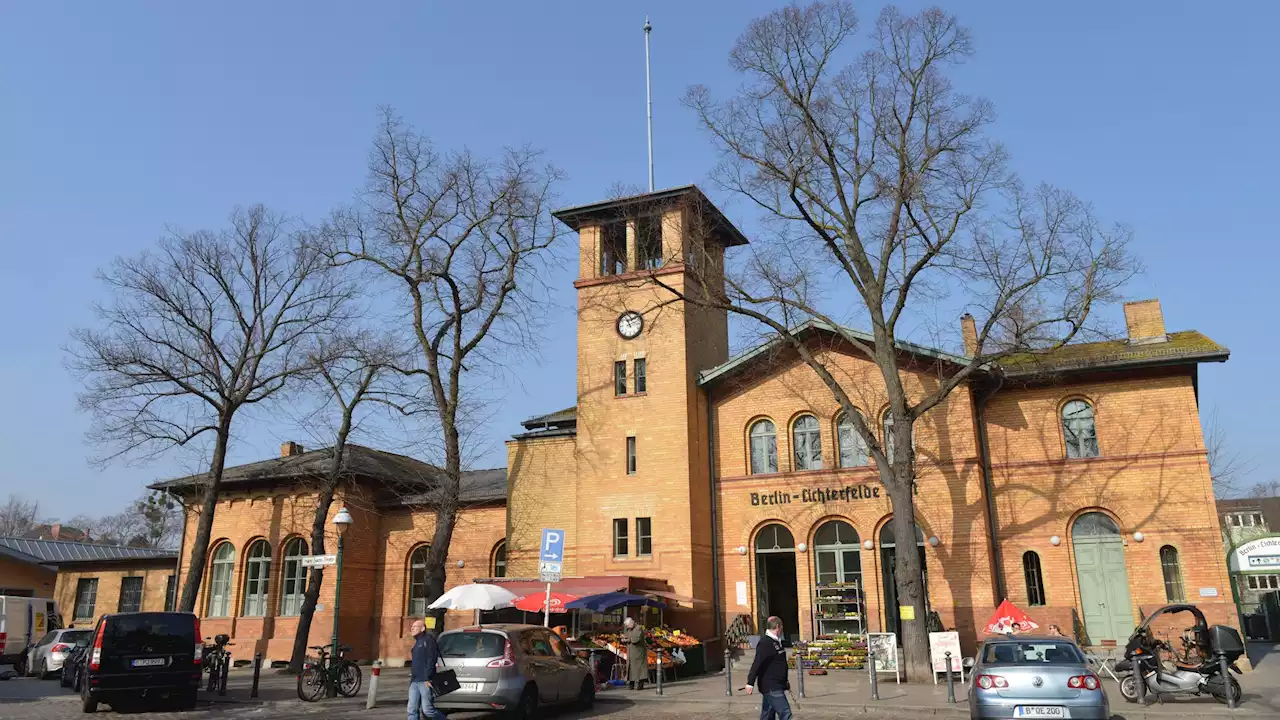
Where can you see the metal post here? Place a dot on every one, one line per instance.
(871, 663)
(659, 671)
(222, 673)
(546, 611)
(648, 97)
(799, 653)
(728, 671)
(332, 681)
(951, 685)
(1226, 681)
(257, 668)
(371, 701)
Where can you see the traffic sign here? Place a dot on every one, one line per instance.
(551, 556)
(319, 560)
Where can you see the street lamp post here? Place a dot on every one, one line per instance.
(341, 521)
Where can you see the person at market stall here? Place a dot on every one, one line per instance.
(637, 654)
(769, 672)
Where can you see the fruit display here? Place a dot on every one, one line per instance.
(660, 637)
(838, 651)
(666, 637)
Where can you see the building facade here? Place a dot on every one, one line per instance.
(1249, 534)
(1075, 485)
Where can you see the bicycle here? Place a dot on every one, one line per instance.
(216, 660)
(317, 677)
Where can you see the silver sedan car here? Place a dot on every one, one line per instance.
(46, 657)
(1035, 677)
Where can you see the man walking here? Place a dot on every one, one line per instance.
(769, 672)
(425, 654)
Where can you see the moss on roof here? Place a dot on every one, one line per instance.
(1188, 345)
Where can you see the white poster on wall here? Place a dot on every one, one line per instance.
(742, 593)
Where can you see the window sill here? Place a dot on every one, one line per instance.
(630, 395)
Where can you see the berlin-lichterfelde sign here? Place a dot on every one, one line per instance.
(828, 494)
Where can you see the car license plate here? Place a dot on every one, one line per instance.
(470, 687)
(1042, 711)
(148, 662)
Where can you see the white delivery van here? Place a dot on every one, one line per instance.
(23, 621)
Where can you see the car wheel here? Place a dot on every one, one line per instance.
(87, 703)
(527, 708)
(587, 693)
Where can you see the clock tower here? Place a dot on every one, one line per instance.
(643, 486)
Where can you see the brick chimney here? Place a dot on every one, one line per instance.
(1144, 321)
(291, 448)
(55, 531)
(969, 329)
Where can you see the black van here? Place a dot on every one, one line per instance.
(142, 656)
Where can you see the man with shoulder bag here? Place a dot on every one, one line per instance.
(769, 673)
(426, 652)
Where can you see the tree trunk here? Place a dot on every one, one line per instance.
(909, 577)
(204, 526)
(315, 579)
(446, 518)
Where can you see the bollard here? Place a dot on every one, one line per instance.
(257, 668)
(951, 685)
(871, 662)
(371, 701)
(728, 672)
(800, 669)
(222, 679)
(594, 663)
(659, 671)
(1226, 681)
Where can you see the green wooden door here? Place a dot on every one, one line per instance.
(1104, 582)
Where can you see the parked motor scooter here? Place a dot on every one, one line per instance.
(1197, 669)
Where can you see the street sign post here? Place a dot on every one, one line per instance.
(319, 560)
(550, 565)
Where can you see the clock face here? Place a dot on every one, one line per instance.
(630, 324)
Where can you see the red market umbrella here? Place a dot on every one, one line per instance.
(1009, 619)
(535, 602)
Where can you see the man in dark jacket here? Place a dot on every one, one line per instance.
(769, 672)
(425, 655)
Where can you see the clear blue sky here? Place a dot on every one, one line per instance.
(119, 118)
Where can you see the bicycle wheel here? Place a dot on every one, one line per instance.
(311, 684)
(349, 681)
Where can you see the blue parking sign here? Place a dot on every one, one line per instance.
(552, 546)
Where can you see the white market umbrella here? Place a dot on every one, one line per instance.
(475, 596)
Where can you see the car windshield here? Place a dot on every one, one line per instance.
(73, 636)
(150, 632)
(1030, 653)
(472, 645)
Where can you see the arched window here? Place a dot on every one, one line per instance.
(838, 554)
(806, 443)
(1094, 524)
(1078, 429)
(853, 451)
(775, 538)
(500, 559)
(1173, 591)
(886, 422)
(220, 568)
(418, 581)
(887, 538)
(295, 578)
(257, 572)
(764, 447)
(1035, 579)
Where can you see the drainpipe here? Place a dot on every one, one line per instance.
(984, 455)
(182, 543)
(715, 524)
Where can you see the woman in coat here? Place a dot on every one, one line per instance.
(637, 654)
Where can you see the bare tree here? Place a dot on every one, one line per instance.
(197, 330)
(459, 240)
(152, 521)
(1265, 489)
(17, 516)
(878, 186)
(1227, 466)
(352, 372)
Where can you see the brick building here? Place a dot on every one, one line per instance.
(1252, 544)
(1076, 485)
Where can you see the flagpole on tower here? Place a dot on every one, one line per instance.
(648, 94)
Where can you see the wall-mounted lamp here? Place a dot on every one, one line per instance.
(933, 541)
(802, 547)
(1139, 536)
(868, 544)
(1055, 541)
(742, 549)
(462, 563)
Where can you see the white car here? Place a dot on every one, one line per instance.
(47, 656)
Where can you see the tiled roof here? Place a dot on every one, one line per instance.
(478, 486)
(357, 460)
(725, 231)
(1185, 346)
(63, 551)
(566, 416)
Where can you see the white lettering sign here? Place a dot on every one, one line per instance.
(319, 560)
(742, 593)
